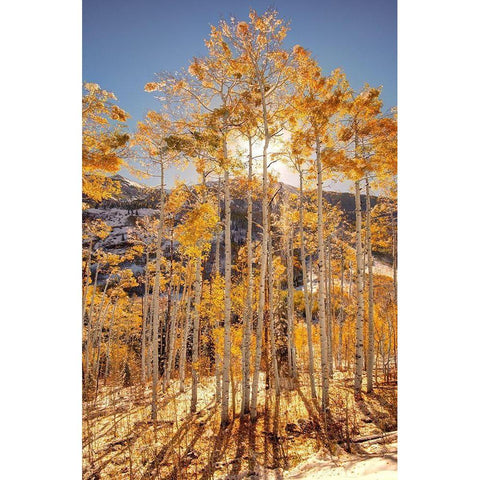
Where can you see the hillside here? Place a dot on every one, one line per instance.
(135, 195)
(136, 202)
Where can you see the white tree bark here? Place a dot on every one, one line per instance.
(292, 359)
(370, 352)
(145, 306)
(329, 313)
(307, 297)
(218, 360)
(196, 332)
(156, 295)
(341, 317)
(109, 343)
(87, 280)
(263, 271)
(394, 256)
(360, 303)
(248, 319)
(183, 350)
(271, 313)
(172, 337)
(228, 302)
(88, 340)
(321, 281)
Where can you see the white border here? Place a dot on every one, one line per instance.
(438, 251)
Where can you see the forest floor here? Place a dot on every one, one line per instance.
(292, 438)
(375, 460)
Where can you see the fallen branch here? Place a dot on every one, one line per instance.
(371, 438)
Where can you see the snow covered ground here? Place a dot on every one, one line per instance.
(379, 268)
(378, 467)
(122, 222)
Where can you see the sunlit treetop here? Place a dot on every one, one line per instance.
(104, 141)
(151, 141)
(367, 135)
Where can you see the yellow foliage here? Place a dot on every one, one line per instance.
(103, 141)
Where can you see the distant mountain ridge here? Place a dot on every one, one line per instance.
(136, 201)
(135, 195)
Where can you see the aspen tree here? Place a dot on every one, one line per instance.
(145, 318)
(155, 297)
(271, 310)
(154, 151)
(360, 302)
(103, 260)
(320, 99)
(228, 304)
(286, 225)
(382, 161)
(306, 294)
(247, 328)
(259, 45)
(218, 378)
(329, 306)
(297, 151)
(249, 127)
(171, 338)
(104, 142)
(109, 342)
(362, 111)
(292, 358)
(194, 235)
(341, 317)
(143, 239)
(196, 93)
(371, 352)
(93, 231)
(186, 332)
(209, 90)
(196, 332)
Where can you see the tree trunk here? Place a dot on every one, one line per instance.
(307, 298)
(341, 317)
(350, 279)
(248, 319)
(321, 281)
(394, 257)
(107, 360)
(360, 303)
(156, 295)
(144, 320)
(171, 339)
(328, 285)
(228, 303)
(371, 352)
(102, 313)
(271, 313)
(196, 317)
(263, 271)
(292, 360)
(87, 280)
(88, 339)
(218, 360)
(196, 333)
(263, 264)
(183, 351)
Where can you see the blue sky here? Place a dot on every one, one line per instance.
(126, 42)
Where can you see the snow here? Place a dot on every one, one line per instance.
(121, 222)
(134, 184)
(382, 268)
(379, 268)
(371, 468)
(120, 178)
